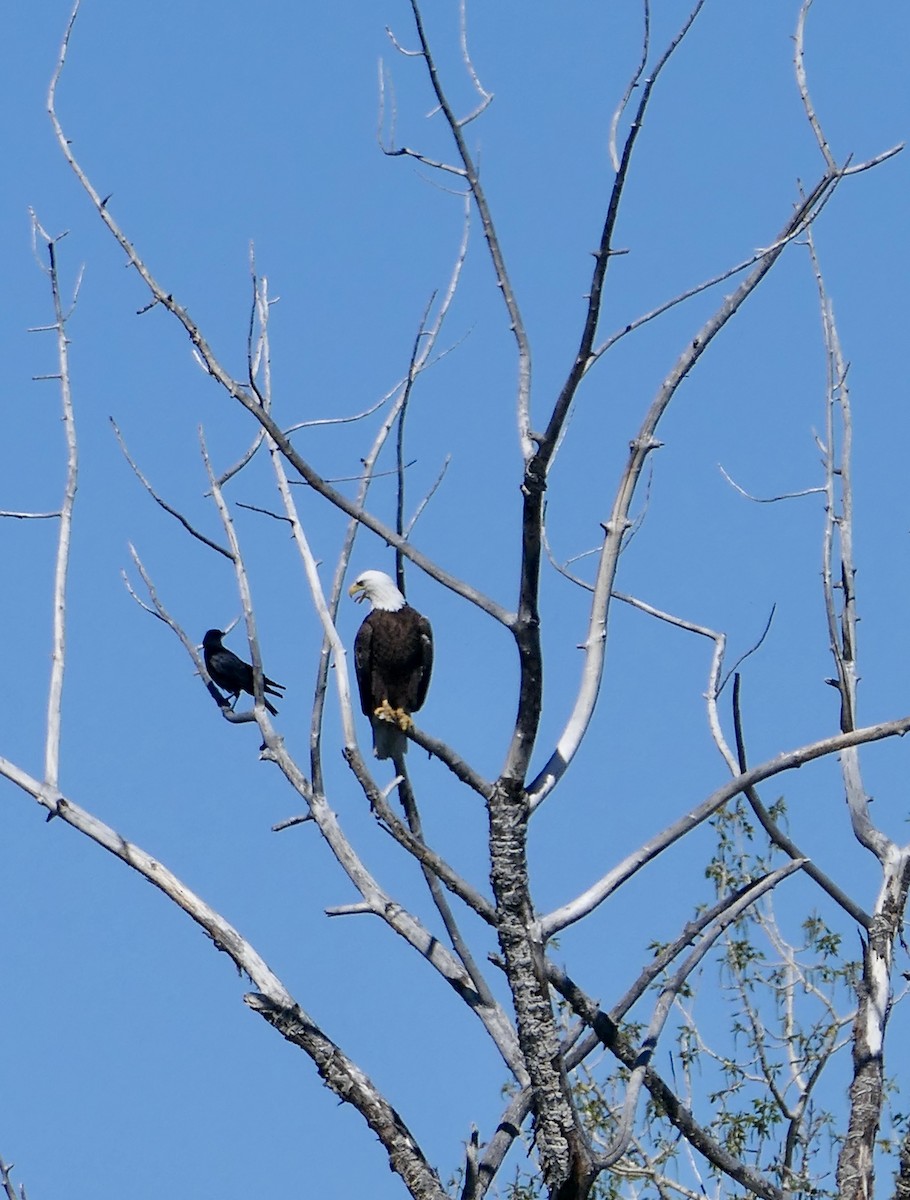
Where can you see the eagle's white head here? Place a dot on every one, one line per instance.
(379, 589)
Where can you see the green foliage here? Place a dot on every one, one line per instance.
(787, 996)
(787, 999)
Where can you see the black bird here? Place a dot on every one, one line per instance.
(231, 673)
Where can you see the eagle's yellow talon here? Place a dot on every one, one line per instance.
(402, 719)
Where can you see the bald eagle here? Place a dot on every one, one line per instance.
(393, 658)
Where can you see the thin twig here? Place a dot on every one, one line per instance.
(316, 422)
(752, 649)
(800, 69)
(432, 879)
(434, 487)
(157, 609)
(159, 500)
(631, 86)
(359, 477)
(260, 712)
(31, 516)
(777, 835)
(486, 98)
(399, 441)
(811, 491)
(838, 545)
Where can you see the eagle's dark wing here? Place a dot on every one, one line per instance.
(422, 680)
(363, 666)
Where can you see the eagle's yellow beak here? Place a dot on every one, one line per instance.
(357, 591)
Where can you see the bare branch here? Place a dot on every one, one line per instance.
(6, 1181)
(359, 416)
(399, 444)
(788, 761)
(456, 764)
(434, 487)
(434, 163)
(507, 1130)
(777, 835)
(486, 98)
(800, 67)
(162, 502)
(352, 1086)
(258, 358)
(224, 936)
(715, 686)
(265, 512)
(632, 85)
(260, 712)
(64, 537)
(752, 649)
(135, 595)
(31, 516)
(393, 913)
(669, 953)
(436, 871)
(688, 294)
(875, 161)
(838, 544)
(157, 609)
(330, 633)
(432, 863)
(812, 491)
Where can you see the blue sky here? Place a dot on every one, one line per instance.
(132, 1066)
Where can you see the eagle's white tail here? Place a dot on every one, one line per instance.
(388, 740)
